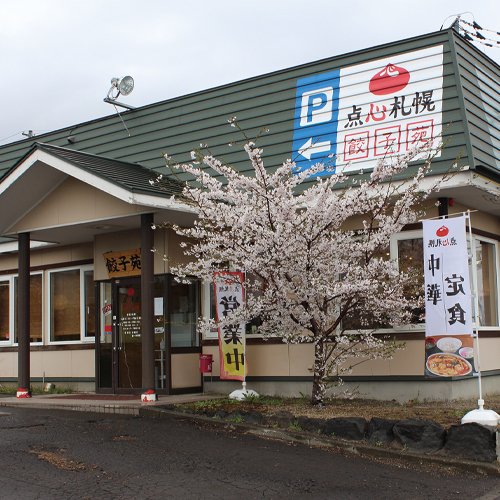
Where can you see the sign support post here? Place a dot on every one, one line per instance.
(479, 416)
(243, 393)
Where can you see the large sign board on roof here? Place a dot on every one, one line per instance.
(351, 117)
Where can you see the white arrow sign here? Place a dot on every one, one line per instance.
(308, 148)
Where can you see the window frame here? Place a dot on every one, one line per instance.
(418, 233)
(13, 302)
(83, 338)
(474, 273)
(394, 257)
(10, 281)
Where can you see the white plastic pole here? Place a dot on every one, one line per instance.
(244, 383)
(472, 255)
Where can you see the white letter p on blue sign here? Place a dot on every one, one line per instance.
(316, 120)
(316, 106)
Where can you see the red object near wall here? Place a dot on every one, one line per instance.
(206, 363)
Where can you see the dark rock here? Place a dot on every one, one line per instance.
(282, 419)
(208, 412)
(252, 417)
(221, 414)
(380, 430)
(421, 435)
(471, 441)
(310, 424)
(346, 427)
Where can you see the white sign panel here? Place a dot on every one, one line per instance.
(351, 117)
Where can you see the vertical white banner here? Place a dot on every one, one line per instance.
(448, 304)
(448, 301)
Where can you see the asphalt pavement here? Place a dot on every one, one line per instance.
(57, 454)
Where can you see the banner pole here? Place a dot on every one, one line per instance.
(476, 310)
(244, 383)
(480, 416)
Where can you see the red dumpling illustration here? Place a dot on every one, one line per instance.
(442, 231)
(389, 80)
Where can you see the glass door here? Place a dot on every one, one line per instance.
(176, 340)
(127, 346)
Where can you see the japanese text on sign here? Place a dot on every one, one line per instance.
(126, 263)
(229, 296)
(353, 116)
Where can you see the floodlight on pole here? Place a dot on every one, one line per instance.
(123, 86)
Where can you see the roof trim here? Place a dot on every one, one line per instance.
(42, 154)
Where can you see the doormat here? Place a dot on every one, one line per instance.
(102, 397)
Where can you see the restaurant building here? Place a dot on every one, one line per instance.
(86, 277)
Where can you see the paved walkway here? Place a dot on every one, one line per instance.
(99, 403)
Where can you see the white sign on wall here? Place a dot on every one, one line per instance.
(351, 117)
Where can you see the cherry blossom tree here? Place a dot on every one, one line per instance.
(314, 247)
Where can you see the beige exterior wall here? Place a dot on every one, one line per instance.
(67, 364)
(166, 242)
(479, 220)
(489, 350)
(73, 202)
(185, 370)
(50, 256)
(268, 360)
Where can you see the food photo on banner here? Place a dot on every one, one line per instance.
(449, 350)
(229, 296)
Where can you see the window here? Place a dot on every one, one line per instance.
(410, 255)
(183, 311)
(89, 304)
(36, 308)
(4, 311)
(487, 282)
(71, 305)
(407, 247)
(357, 317)
(65, 305)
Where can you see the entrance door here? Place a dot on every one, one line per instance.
(176, 341)
(127, 335)
(119, 350)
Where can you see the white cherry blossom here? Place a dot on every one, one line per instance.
(314, 250)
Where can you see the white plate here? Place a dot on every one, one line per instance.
(449, 344)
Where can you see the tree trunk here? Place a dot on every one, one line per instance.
(319, 378)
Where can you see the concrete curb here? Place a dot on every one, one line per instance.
(326, 442)
(93, 408)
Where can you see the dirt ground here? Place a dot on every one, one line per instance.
(444, 413)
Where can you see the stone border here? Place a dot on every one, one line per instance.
(471, 445)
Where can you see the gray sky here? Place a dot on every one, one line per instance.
(58, 56)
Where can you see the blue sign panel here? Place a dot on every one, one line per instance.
(316, 119)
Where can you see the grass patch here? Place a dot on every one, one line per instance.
(11, 390)
(294, 426)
